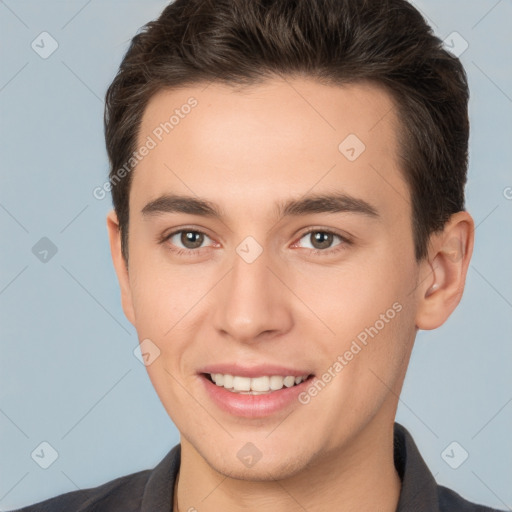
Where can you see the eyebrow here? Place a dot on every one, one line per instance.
(319, 203)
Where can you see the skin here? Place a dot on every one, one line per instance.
(246, 151)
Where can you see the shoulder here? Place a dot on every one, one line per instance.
(147, 490)
(123, 493)
(450, 501)
(420, 490)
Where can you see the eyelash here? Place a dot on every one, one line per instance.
(345, 242)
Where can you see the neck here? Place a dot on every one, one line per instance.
(361, 476)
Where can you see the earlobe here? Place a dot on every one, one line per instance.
(445, 269)
(120, 265)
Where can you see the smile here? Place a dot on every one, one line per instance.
(258, 396)
(255, 385)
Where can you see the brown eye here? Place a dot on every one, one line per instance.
(191, 239)
(187, 239)
(321, 240)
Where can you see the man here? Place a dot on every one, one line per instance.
(288, 186)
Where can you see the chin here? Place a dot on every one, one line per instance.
(281, 464)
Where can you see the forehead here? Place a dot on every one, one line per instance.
(280, 137)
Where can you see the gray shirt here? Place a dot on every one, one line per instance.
(152, 490)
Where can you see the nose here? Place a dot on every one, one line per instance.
(253, 301)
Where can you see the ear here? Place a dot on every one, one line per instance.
(120, 265)
(444, 271)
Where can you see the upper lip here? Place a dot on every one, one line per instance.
(253, 371)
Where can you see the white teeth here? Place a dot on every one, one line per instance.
(255, 385)
(289, 381)
(241, 383)
(228, 381)
(260, 384)
(276, 382)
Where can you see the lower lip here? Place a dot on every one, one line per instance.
(254, 406)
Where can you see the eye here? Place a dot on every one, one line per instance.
(190, 241)
(321, 241)
(186, 240)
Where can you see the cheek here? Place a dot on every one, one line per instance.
(367, 306)
(162, 295)
(362, 366)
(352, 295)
(172, 304)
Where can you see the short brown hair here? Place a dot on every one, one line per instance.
(243, 42)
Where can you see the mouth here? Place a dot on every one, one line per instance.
(257, 396)
(261, 385)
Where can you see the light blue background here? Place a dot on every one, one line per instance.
(68, 372)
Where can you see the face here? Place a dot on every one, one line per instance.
(290, 254)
